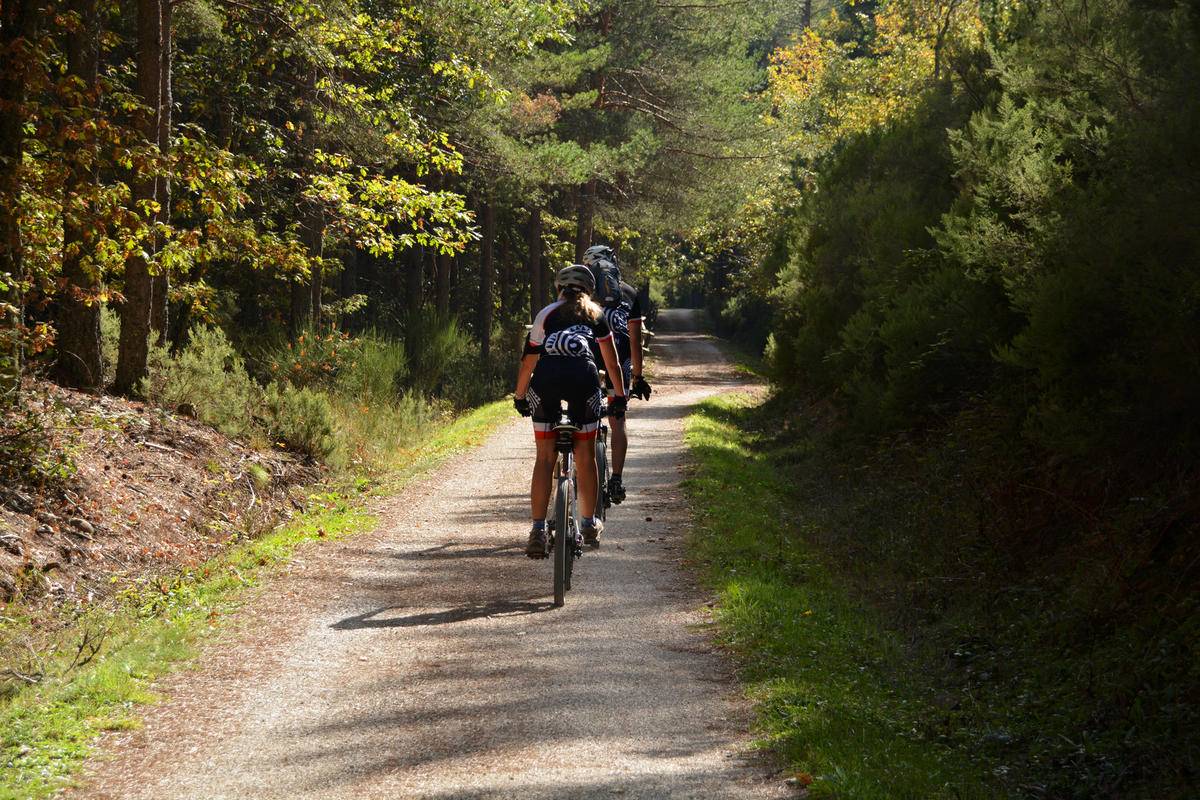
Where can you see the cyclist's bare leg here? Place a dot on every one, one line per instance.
(585, 475)
(543, 472)
(620, 443)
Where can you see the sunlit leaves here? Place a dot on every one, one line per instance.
(843, 78)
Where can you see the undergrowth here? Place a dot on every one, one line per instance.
(347, 401)
(916, 622)
(830, 682)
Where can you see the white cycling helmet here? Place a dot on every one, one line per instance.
(577, 277)
(597, 253)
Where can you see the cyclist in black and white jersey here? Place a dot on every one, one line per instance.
(559, 366)
(623, 312)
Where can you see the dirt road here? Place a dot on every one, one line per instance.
(424, 660)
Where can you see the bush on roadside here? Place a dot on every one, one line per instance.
(438, 349)
(350, 401)
(377, 370)
(206, 380)
(110, 342)
(301, 418)
(31, 452)
(371, 433)
(317, 357)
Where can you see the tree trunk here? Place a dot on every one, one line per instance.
(536, 279)
(486, 271)
(160, 283)
(349, 288)
(505, 258)
(806, 21)
(306, 297)
(441, 282)
(300, 308)
(80, 363)
(18, 27)
(316, 292)
(583, 224)
(416, 279)
(135, 313)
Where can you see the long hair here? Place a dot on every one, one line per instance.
(579, 307)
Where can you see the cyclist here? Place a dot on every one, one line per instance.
(559, 365)
(623, 312)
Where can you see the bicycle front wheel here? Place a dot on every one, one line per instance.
(602, 500)
(564, 545)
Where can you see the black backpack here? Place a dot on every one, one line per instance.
(608, 283)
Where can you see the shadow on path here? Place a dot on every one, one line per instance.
(444, 552)
(495, 608)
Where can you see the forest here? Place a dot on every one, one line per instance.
(959, 237)
(190, 185)
(405, 178)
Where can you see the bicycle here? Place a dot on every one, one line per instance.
(565, 539)
(603, 502)
(566, 503)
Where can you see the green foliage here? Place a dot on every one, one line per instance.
(350, 401)
(440, 353)
(945, 606)
(373, 432)
(315, 358)
(1103, 272)
(302, 418)
(110, 331)
(206, 380)
(33, 451)
(992, 235)
(834, 691)
(378, 370)
(984, 280)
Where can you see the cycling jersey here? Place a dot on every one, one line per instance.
(618, 316)
(565, 372)
(555, 336)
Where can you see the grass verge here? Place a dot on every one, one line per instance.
(835, 694)
(48, 727)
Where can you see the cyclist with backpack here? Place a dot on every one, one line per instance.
(559, 366)
(623, 312)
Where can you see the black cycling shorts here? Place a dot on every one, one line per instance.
(626, 373)
(559, 379)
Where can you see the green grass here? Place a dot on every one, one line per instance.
(48, 729)
(835, 693)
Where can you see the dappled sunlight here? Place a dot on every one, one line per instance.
(430, 661)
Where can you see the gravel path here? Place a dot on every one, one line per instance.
(424, 660)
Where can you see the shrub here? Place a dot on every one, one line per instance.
(371, 434)
(377, 370)
(32, 450)
(206, 380)
(437, 347)
(301, 418)
(317, 357)
(110, 342)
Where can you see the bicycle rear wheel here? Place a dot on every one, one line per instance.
(564, 544)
